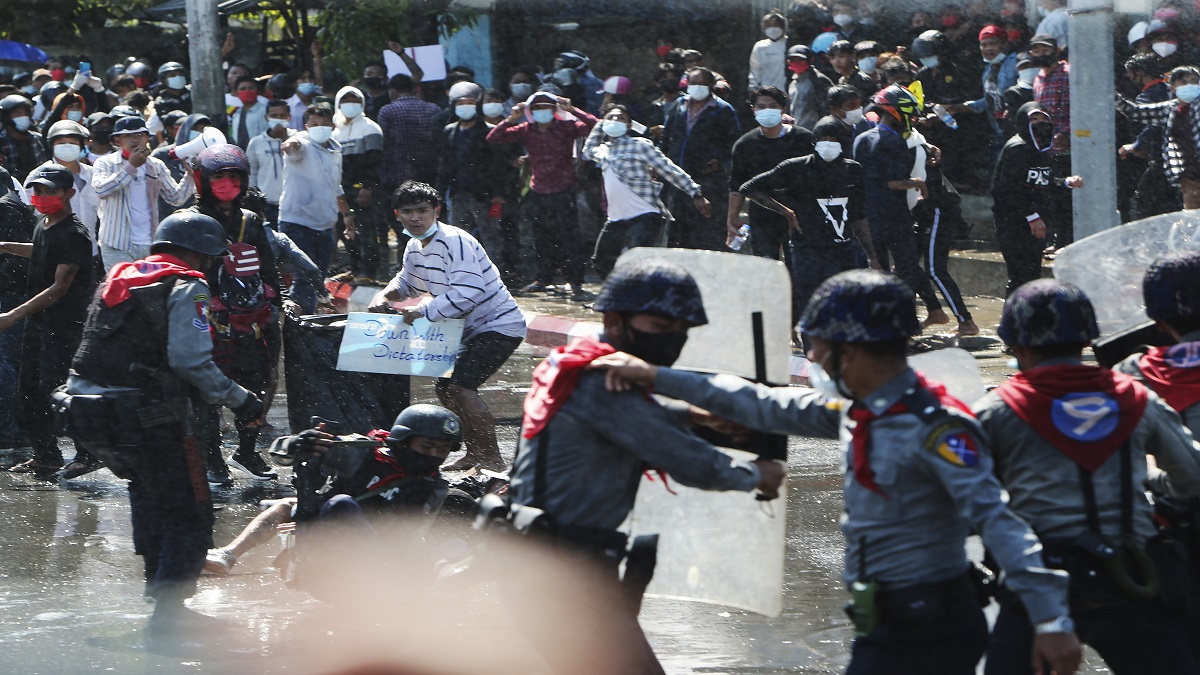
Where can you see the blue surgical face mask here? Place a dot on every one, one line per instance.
(698, 92)
(74, 115)
(867, 64)
(465, 112)
(493, 109)
(821, 381)
(930, 61)
(521, 90)
(543, 116)
(320, 134)
(768, 117)
(22, 123)
(428, 233)
(29, 89)
(351, 110)
(176, 82)
(307, 88)
(193, 135)
(614, 128)
(1187, 92)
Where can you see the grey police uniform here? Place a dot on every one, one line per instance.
(916, 534)
(1131, 366)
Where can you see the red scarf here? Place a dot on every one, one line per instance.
(126, 276)
(1084, 411)
(1174, 373)
(861, 434)
(555, 378)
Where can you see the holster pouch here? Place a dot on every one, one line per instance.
(1176, 573)
(1104, 573)
(865, 608)
(108, 427)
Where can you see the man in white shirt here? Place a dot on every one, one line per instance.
(266, 157)
(768, 57)
(1054, 20)
(312, 194)
(450, 265)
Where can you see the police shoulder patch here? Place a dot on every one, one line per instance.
(954, 442)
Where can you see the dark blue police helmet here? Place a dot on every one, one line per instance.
(1048, 312)
(1171, 289)
(861, 306)
(654, 286)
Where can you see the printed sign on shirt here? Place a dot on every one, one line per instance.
(430, 58)
(384, 343)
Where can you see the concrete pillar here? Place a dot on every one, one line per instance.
(204, 50)
(1093, 130)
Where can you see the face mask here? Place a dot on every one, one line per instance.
(374, 82)
(351, 110)
(614, 128)
(1042, 61)
(58, 74)
(415, 463)
(768, 117)
(273, 122)
(820, 381)
(698, 92)
(930, 61)
(320, 134)
(854, 116)
(47, 205)
(21, 123)
(668, 86)
(226, 189)
(661, 349)
(773, 33)
(543, 116)
(1027, 75)
(31, 90)
(428, 233)
(100, 137)
(248, 97)
(798, 67)
(67, 152)
(465, 112)
(1042, 134)
(951, 21)
(521, 90)
(74, 115)
(829, 150)
(843, 20)
(1187, 92)
(140, 82)
(193, 135)
(307, 88)
(867, 64)
(493, 109)
(663, 50)
(1164, 49)
(176, 82)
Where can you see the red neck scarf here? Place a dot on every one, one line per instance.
(861, 434)
(555, 378)
(1084, 411)
(126, 276)
(1174, 373)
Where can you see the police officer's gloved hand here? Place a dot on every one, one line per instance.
(250, 410)
(312, 441)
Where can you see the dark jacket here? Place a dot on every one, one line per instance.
(484, 173)
(1023, 180)
(711, 137)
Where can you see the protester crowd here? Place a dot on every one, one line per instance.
(848, 148)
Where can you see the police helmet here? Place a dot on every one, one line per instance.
(63, 128)
(114, 71)
(430, 421)
(51, 91)
(123, 111)
(137, 69)
(1171, 289)
(169, 66)
(22, 79)
(573, 59)
(13, 101)
(225, 157)
(191, 230)
(654, 286)
(1047, 312)
(861, 306)
(930, 43)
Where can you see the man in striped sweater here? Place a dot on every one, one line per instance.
(448, 264)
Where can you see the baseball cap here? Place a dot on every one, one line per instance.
(54, 176)
(993, 31)
(130, 125)
(1044, 39)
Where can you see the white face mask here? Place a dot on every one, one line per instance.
(773, 33)
(867, 64)
(854, 116)
(351, 110)
(493, 109)
(843, 20)
(176, 82)
(273, 122)
(698, 92)
(1187, 92)
(1164, 49)
(820, 381)
(829, 150)
(428, 233)
(614, 128)
(465, 112)
(930, 61)
(67, 152)
(320, 134)
(21, 123)
(768, 118)
(1028, 74)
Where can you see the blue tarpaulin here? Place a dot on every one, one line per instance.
(19, 51)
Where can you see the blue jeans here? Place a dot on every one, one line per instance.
(10, 371)
(317, 244)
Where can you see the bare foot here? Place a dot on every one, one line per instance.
(937, 316)
(966, 328)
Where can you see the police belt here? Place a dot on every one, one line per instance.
(926, 600)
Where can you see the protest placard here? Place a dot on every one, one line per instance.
(384, 343)
(430, 58)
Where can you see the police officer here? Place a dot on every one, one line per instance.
(146, 355)
(918, 480)
(582, 452)
(1070, 444)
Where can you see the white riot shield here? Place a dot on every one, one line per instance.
(724, 547)
(1109, 265)
(956, 368)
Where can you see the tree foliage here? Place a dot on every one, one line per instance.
(354, 32)
(53, 21)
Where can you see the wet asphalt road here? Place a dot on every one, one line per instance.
(70, 590)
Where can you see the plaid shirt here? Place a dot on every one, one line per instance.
(1164, 115)
(408, 150)
(633, 160)
(1053, 94)
(10, 155)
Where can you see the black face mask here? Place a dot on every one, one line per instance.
(669, 86)
(1042, 61)
(1042, 134)
(415, 463)
(660, 349)
(374, 82)
(100, 136)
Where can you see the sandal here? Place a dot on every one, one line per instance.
(35, 467)
(219, 561)
(77, 468)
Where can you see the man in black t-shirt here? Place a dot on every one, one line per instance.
(824, 206)
(58, 288)
(16, 224)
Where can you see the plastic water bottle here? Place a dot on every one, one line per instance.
(743, 234)
(946, 117)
